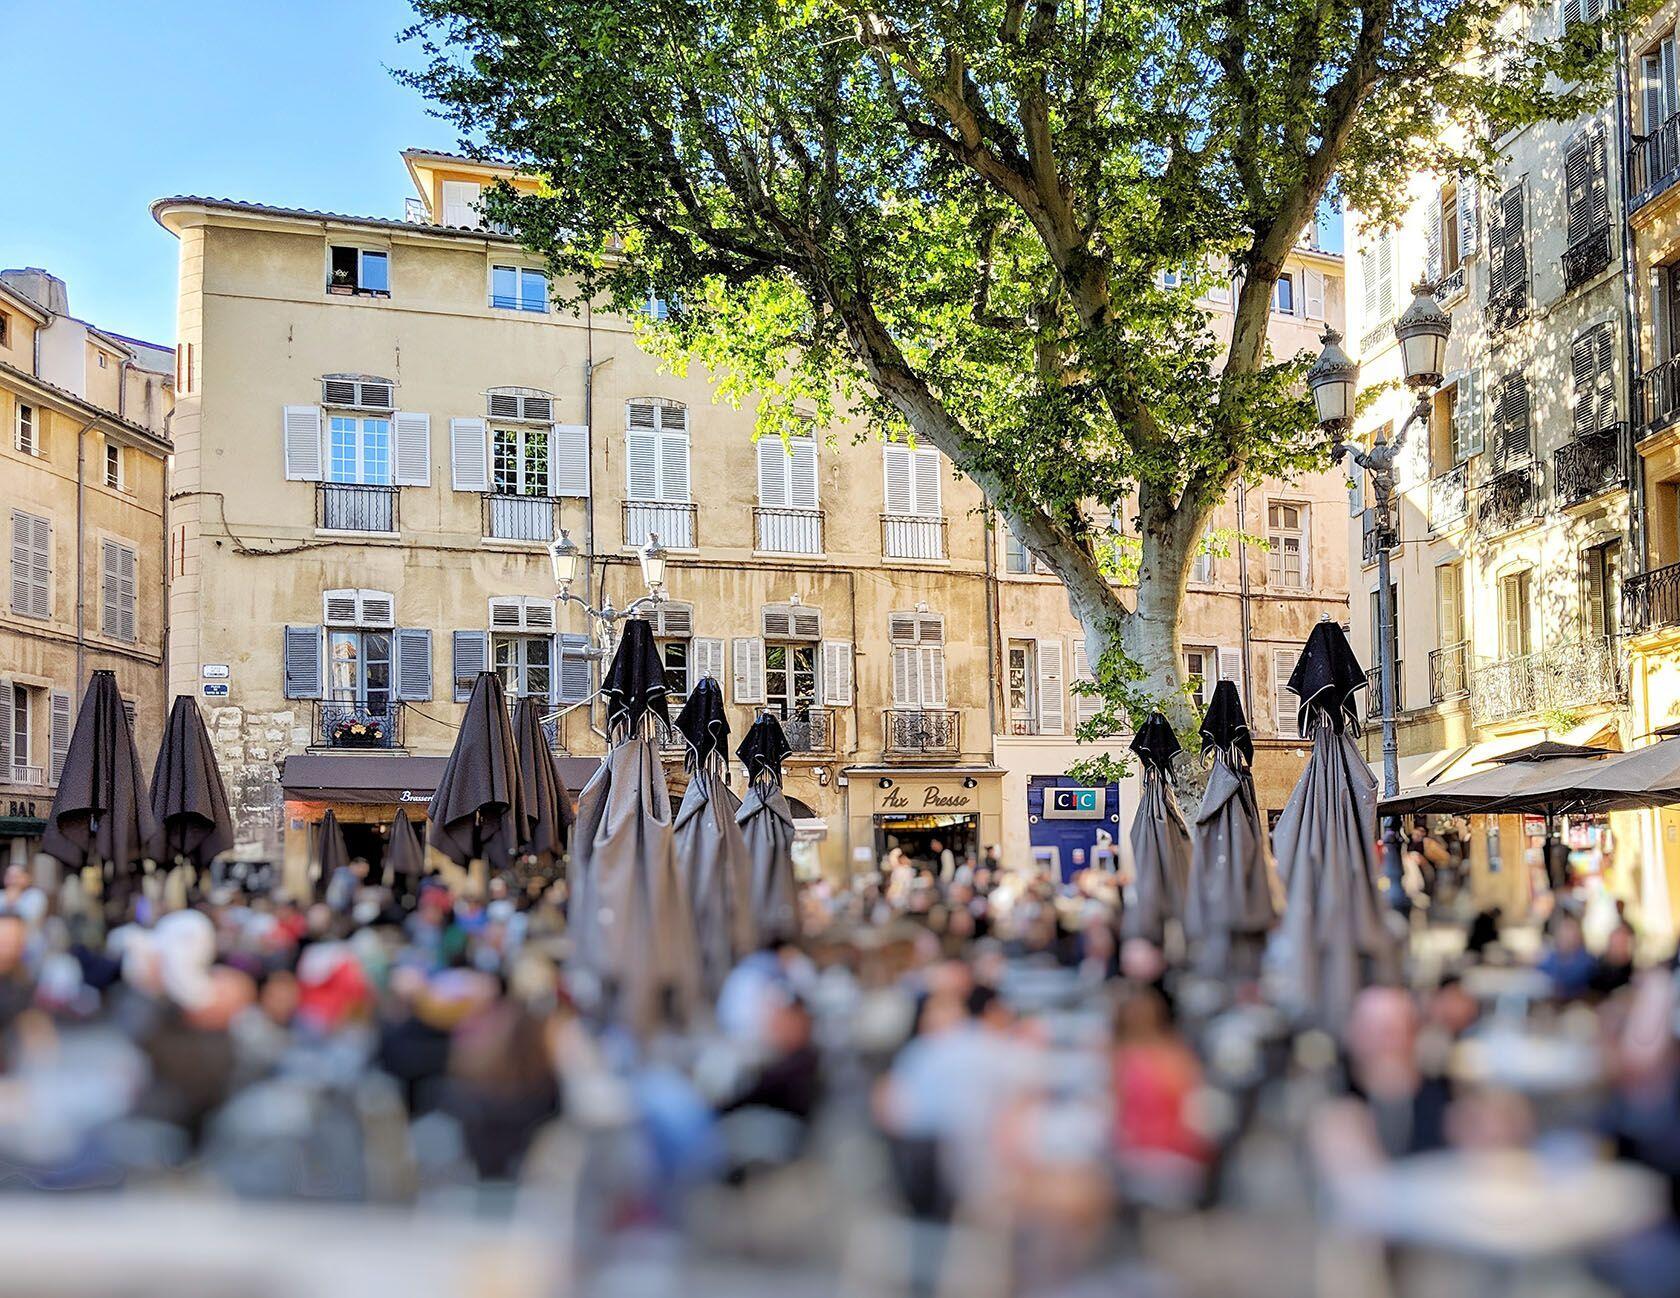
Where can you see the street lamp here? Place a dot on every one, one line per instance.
(566, 560)
(1422, 330)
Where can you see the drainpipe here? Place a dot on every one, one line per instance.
(994, 674)
(81, 550)
(590, 365)
(1630, 313)
(1243, 599)
(168, 574)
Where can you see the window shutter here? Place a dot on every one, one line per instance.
(1432, 256)
(1385, 276)
(40, 586)
(1580, 199)
(572, 681)
(376, 608)
(1051, 716)
(568, 449)
(301, 435)
(837, 673)
(906, 683)
(927, 482)
(1475, 413)
(1369, 291)
(108, 588)
(802, 468)
(749, 669)
(1315, 295)
(673, 466)
(302, 660)
(340, 608)
(117, 591)
(413, 465)
(1469, 215)
(1231, 666)
(59, 732)
(1514, 436)
(469, 654)
(642, 461)
(5, 728)
(706, 659)
(1583, 379)
(1513, 238)
(468, 456)
(933, 676)
(1086, 707)
(772, 473)
(414, 664)
(1286, 711)
(900, 490)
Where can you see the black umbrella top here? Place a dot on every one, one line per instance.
(703, 723)
(1155, 743)
(189, 801)
(765, 748)
(1326, 678)
(403, 852)
(635, 683)
(102, 809)
(1547, 750)
(480, 807)
(330, 846)
(1223, 724)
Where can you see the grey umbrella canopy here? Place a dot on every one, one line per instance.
(189, 802)
(1232, 900)
(405, 859)
(1333, 939)
(1642, 777)
(767, 826)
(330, 850)
(480, 808)
(629, 914)
(1546, 778)
(711, 851)
(549, 808)
(1160, 838)
(101, 813)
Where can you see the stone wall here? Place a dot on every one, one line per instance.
(250, 746)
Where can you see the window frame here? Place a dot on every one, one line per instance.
(358, 288)
(114, 476)
(519, 301)
(522, 456)
(522, 666)
(1028, 711)
(1207, 677)
(360, 433)
(32, 422)
(23, 729)
(789, 702)
(1276, 571)
(361, 693)
(1285, 279)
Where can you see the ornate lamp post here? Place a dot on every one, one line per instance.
(1422, 329)
(567, 560)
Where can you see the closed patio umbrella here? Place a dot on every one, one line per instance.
(550, 810)
(189, 802)
(480, 808)
(767, 825)
(1333, 939)
(1232, 901)
(1160, 838)
(405, 859)
(629, 913)
(711, 852)
(101, 814)
(331, 852)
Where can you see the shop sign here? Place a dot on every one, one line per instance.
(1075, 803)
(22, 807)
(215, 690)
(409, 795)
(1534, 826)
(929, 797)
(215, 671)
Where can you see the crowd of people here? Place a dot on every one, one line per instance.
(980, 1037)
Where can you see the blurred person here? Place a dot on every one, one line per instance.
(1158, 1148)
(501, 1086)
(1614, 968)
(20, 897)
(1567, 962)
(17, 981)
(1394, 1107)
(1483, 932)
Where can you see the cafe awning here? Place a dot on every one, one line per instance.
(388, 777)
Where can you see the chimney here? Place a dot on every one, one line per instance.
(44, 289)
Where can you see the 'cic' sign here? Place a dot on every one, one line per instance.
(1074, 804)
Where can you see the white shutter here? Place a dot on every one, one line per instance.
(117, 589)
(6, 729)
(642, 465)
(1432, 255)
(340, 608)
(673, 467)
(1469, 216)
(933, 675)
(927, 482)
(469, 654)
(837, 673)
(301, 662)
(749, 669)
(40, 594)
(413, 465)
(108, 586)
(772, 473)
(468, 456)
(1286, 707)
(459, 200)
(1231, 666)
(1475, 417)
(59, 728)
(906, 679)
(802, 473)
(1385, 276)
(414, 664)
(573, 677)
(301, 437)
(1051, 718)
(377, 608)
(568, 454)
(1315, 295)
(1086, 707)
(705, 659)
(900, 486)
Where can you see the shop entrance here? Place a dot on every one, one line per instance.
(368, 842)
(924, 838)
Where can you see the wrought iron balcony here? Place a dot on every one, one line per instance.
(1449, 672)
(1376, 338)
(1590, 465)
(1652, 599)
(788, 531)
(1508, 688)
(912, 536)
(1372, 538)
(1573, 674)
(1450, 286)
(521, 518)
(673, 522)
(1373, 690)
(355, 507)
(1449, 497)
(353, 723)
(1507, 308)
(25, 776)
(1508, 500)
(923, 730)
(1653, 161)
(810, 731)
(1661, 386)
(1586, 257)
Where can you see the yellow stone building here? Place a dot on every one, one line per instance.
(83, 449)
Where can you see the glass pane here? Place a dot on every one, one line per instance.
(376, 272)
(804, 659)
(533, 291)
(376, 668)
(505, 460)
(376, 452)
(675, 653)
(505, 652)
(344, 663)
(536, 462)
(341, 449)
(504, 286)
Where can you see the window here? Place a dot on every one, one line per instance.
(1022, 684)
(117, 589)
(1512, 435)
(5, 329)
(1201, 563)
(790, 677)
(912, 480)
(20, 731)
(27, 439)
(658, 307)
(658, 451)
(674, 654)
(1587, 186)
(31, 564)
(519, 464)
(1393, 643)
(359, 668)
(360, 271)
(113, 465)
(1171, 279)
(359, 450)
(518, 288)
(1283, 296)
(1286, 533)
(1376, 273)
(1659, 96)
(1019, 560)
(1449, 605)
(1514, 637)
(183, 369)
(1508, 258)
(1600, 589)
(524, 662)
(918, 660)
(1593, 380)
(460, 204)
(1201, 670)
(1451, 254)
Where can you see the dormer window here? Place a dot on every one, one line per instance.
(359, 272)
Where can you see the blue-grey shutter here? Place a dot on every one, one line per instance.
(571, 681)
(59, 732)
(414, 664)
(469, 655)
(303, 662)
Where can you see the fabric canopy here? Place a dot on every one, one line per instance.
(481, 808)
(101, 812)
(1543, 778)
(189, 802)
(1160, 838)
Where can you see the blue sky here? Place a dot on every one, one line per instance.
(288, 103)
(123, 102)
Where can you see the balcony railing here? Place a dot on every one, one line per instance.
(1449, 497)
(1586, 257)
(788, 531)
(912, 536)
(1449, 672)
(1373, 689)
(355, 507)
(914, 731)
(1590, 465)
(1661, 384)
(1652, 599)
(1450, 286)
(1508, 500)
(1507, 308)
(810, 731)
(352, 723)
(1376, 337)
(26, 776)
(1654, 160)
(666, 734)
(672, 521)
(521, 518)
(1574, 674)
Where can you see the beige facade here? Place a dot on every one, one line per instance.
(85, 545)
